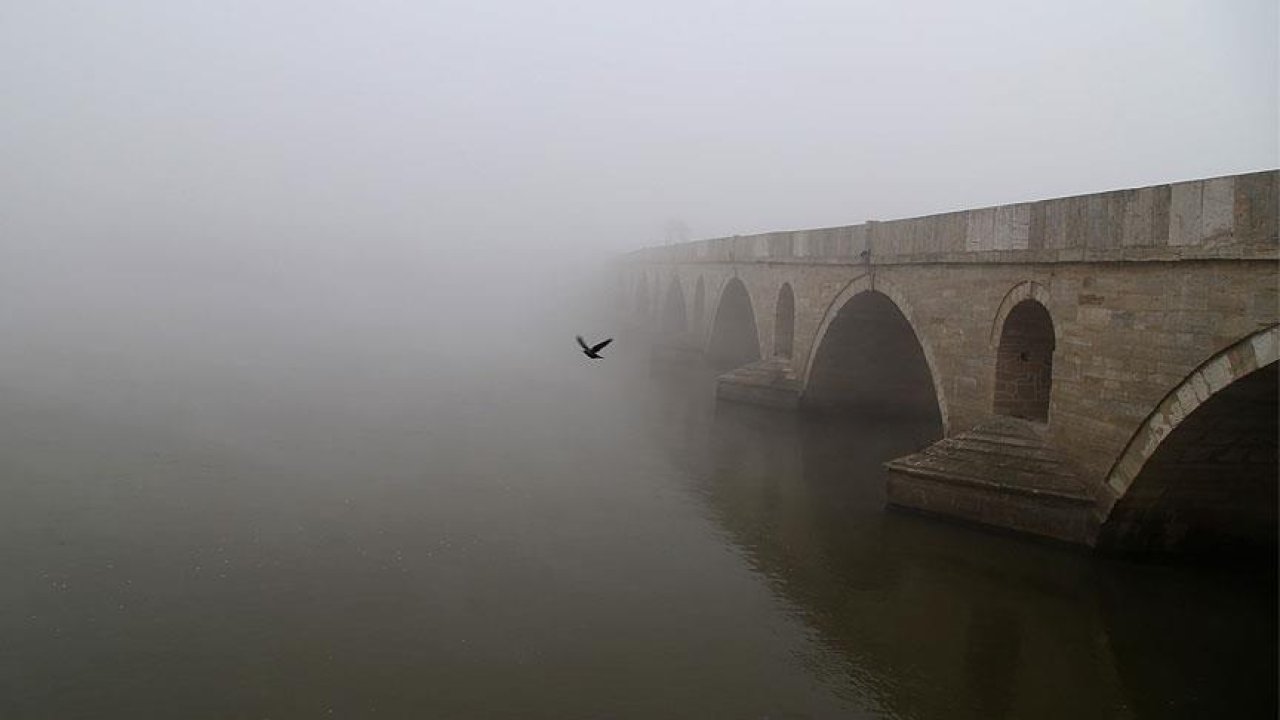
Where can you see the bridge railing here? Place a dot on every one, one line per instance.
(1232, 216)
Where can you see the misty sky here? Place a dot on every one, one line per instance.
(522, 126)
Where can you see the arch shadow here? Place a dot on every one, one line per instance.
(698, 321)
(1200, 472)
(898, 323)
(642, 296)
(735, 339)
(674, 318)
(784, 324)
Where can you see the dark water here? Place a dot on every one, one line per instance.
(538, 536)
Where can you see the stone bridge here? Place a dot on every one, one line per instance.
(1101, 369)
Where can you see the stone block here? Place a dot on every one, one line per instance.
(1266, 347)
(982, 230)
(1105, 221)
(1136, 222)
(1185, 204)
(1218, 208)
(1096, 316)
(1076, 222)
(952, 229)
(1162, 196)
(781, 245)
(1012, 227)
(1217, 374)
(1256, 208)
(1036, 227)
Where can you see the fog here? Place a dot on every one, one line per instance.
(292, 230)
(288, 140)
(441, 166)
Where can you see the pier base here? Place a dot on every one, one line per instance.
(1002, 474)
(767, 383)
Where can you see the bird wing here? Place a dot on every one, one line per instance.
(600, 347)
(583, 343)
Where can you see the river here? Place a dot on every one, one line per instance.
(381, 528)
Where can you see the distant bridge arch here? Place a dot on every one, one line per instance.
(699, 320)
(642, 296)
(735, 337)
(784, 322)
(674, 317)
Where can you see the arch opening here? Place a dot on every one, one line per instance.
(673, 312)
(699, 304)
(1024, 363)
(642, 296)
(784, 322)
(870, 363)
(734, 339)
(1210, 489)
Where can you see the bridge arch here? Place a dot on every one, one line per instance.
(1024, 361)
(784, 322)
(674, 318)
(1028, 290)
(1203, 463)
(869, 329)
(699, 306)
(735, 340)
(642, 295)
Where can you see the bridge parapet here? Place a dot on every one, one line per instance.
(1224, 217)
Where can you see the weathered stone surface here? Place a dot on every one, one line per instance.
(1186, 203)
(1001, 473)
(1256, 208)
(1217, 211)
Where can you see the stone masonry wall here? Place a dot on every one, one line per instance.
(1142, 286)
(1126, 333)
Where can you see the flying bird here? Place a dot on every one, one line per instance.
(593, 351)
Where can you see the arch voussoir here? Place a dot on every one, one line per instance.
(1215, 374)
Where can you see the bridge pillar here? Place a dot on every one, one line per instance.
(768, 383)
(1002, 473)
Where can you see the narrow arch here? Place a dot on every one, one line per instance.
(868, 360)
(699, 305)
(832, 318)
(655, 292)
(1200, 474)
(734, 339)
(642, 296)
(1024, 363)
(674, 320)
(1028, 290)
(784, 322)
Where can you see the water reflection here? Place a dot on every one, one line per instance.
(549, 543)
(933, 619)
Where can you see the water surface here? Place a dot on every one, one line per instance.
(382, 530)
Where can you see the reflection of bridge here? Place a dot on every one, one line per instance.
(1102, 367)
